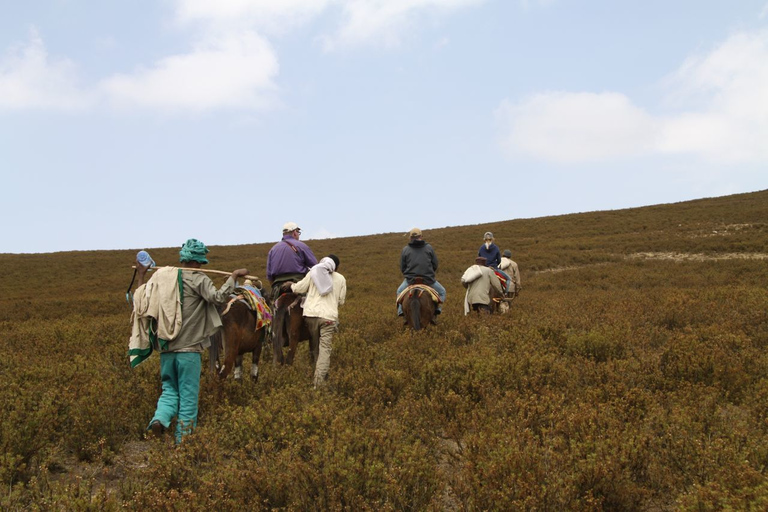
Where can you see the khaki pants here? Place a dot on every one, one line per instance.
(321, 331)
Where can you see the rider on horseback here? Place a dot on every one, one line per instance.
(419, 261)
(289, 259)
(490, 251)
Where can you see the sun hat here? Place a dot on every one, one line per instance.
(193, 250)
(414, 233)
(488, 236)
(290, 226)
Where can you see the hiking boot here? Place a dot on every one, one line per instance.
(157, 428)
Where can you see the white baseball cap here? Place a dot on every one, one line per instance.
(290, 226)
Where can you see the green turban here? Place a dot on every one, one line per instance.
(193, 250)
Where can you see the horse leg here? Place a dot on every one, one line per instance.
(278, 331)
(238, 367)
(256, 354)
(294, 327)
(229, 354)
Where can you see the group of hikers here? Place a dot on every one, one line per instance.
(491, 271)
(182, 335)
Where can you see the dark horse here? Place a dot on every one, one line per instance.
(237, 337)
(289, 328)
(418, 307)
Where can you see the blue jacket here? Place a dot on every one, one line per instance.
(492, 255)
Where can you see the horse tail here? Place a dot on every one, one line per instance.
(416, 310)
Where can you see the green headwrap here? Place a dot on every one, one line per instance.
(193, 250)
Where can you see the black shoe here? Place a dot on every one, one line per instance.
(157, 428)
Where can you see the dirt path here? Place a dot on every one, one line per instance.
(668, 256)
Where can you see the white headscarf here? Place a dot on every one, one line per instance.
(321, 275)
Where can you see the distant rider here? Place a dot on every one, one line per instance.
(418, 260)
(490, 251)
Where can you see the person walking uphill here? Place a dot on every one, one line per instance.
(289, 259)
(510, 268)
(180, 357)
(479, 279)
(326, 290)
(418, 260)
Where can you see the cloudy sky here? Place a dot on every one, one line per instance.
(141, 124)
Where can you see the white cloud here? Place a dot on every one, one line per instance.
(721, 114)
(362, 21)
(321, 234)
(385, 21)
(267, 15)
(236, 70)
(29, 78)
(576, 127)
(730, 86)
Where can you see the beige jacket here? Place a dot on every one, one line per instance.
(510, 268)
(479, 289)
(159, 298)
(322, 306)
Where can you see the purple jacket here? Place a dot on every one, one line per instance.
(289, 256)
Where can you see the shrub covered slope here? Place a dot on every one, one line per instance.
(631, 374)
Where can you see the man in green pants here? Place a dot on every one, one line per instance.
(180, 358)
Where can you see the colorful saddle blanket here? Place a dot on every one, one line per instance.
(424, 287)
(252, 298)
(501, 278)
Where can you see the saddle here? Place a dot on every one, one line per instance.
(432, 293)
(252, 298)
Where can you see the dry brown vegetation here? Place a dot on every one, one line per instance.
(624, 383)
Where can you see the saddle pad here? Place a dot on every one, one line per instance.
(255, 302)
(501, 278)
(409, 289)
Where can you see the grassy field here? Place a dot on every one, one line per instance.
(631, 374)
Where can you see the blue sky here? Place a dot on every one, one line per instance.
(141, 124)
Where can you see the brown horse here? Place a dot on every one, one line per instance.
(289, 328)
(500, 302)
(238, 336)
(418, 307)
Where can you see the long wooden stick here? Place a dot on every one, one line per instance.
(209, 271)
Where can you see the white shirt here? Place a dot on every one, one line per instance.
(322, 306)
